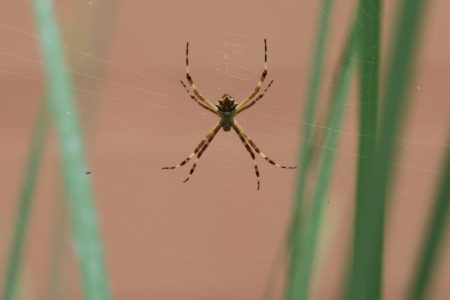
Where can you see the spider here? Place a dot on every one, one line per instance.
(227, 109)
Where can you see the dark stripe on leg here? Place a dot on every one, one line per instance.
(265, 50)
(187, 54)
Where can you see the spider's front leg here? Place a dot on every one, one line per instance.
(253, 102)
(196, 100)
(260, 82)
(192, 84)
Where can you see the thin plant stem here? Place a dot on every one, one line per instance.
(25, 202)
(433, 238)
(306, 146)
(311, 231)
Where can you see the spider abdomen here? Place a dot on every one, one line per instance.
(227, 119)
(227, 111)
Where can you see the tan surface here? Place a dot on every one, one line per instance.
(214, 237)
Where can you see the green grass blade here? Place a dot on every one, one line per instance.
(437, 224)
(369, 37)
(306, 144)
(311, 101)
(87, 41)
(84, 223)
(310, 233)
(25, 202)
(368, 282)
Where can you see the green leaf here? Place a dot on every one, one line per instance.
(366, 282)
(362, 275)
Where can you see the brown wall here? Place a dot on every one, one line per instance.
(214, 237)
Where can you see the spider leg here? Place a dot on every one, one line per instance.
(203, 148)
(244, 141)
(197, 149)
(250, 141)
(253, 102)
(196, 100)
(191, 83)
(260, 82)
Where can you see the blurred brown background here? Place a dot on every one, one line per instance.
(214, 237)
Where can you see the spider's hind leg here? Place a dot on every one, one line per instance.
(250, 141)
(203, 148)
(197, 149)
(244, 141)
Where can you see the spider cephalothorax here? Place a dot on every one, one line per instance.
(226, 110)
(226, 104)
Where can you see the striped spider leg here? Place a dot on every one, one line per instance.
(202, 104)
(193, 86)
(239, 128)
(210, 137)
(253, 102)
(201, 147)
(260, 82)
(255, 164)
(249, 145)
